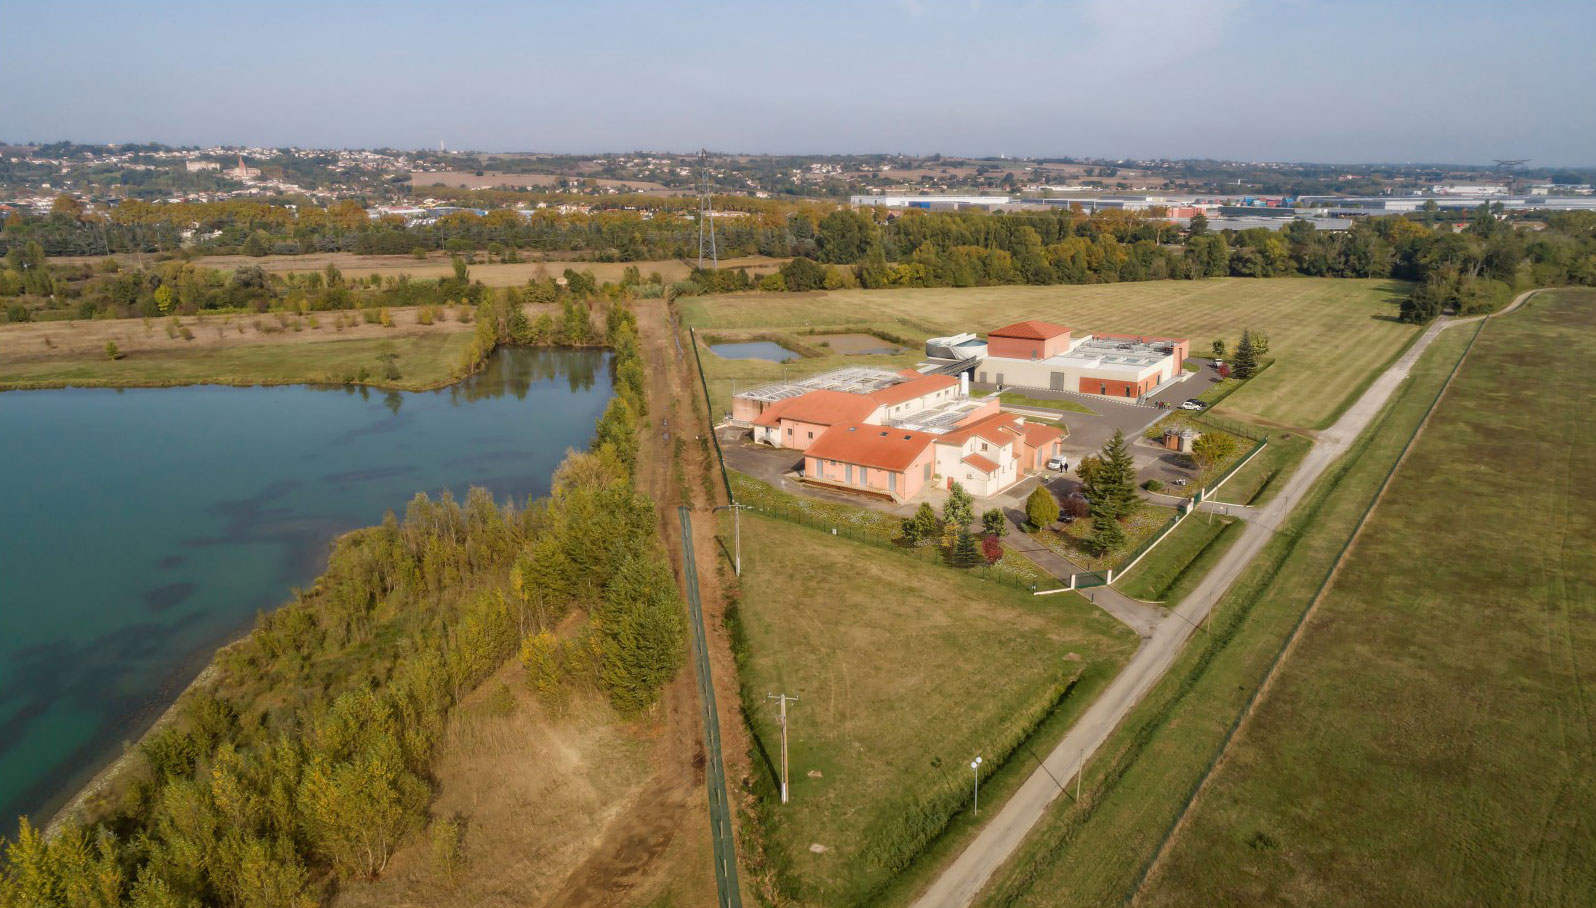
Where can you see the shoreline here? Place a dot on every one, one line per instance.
(73, 811)
(112, 767)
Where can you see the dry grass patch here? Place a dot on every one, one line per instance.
(533, 793)
(905, 672)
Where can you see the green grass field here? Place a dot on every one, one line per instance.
(1328, 335)
(905, 671)
(1017, 399)
(1172, 568)
(1093, 853)
(1431, 738)
(424, 361)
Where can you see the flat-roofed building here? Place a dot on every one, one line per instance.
(1043, 355)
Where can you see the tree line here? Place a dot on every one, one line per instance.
(34, 289)
(1469, 269)
(307, 761)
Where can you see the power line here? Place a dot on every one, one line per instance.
(706, 215)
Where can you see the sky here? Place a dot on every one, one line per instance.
(1335, 81)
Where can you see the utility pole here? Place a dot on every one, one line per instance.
(975, 768)
(781, 720)
(737, 533)
(706, 212)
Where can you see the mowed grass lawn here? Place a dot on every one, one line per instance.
(905, 672)
(1329, 335)
(1432, 738)
(1092, 853)
(423, 360)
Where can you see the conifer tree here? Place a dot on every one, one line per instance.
(1245, 364)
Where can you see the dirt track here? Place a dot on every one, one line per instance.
(661, 841)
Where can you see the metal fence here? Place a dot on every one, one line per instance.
(873, 536)
(709, 407)
(1231, 471)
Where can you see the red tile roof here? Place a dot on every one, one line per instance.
(1000, 428)
(822, 408)
(1037, 435)
(1032, 330)
(980, 463)
(870, 446)
(914, 387)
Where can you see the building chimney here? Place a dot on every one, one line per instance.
(964, 384)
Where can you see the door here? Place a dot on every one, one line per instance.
(847, 471)
(1057, 381)
(1000, 379)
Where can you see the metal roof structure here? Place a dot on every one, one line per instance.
(852, 379)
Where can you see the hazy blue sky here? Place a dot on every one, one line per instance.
(1300, 80)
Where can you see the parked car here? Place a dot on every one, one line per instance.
(1058, 464)
(1193, 404)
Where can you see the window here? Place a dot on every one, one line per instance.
(811, 436)
(983, 446)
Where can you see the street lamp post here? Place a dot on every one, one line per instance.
(737, 533)
(975, 770)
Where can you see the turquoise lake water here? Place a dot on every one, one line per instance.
(142, 528)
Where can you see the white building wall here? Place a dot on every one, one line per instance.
(1022, 373)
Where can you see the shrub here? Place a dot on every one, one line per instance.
(1152, 485)
(1041, 508)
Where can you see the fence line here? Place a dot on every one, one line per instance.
(1182, 511)
(709, 409)
(929, 554)
(1209, 492)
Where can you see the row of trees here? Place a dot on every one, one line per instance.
(1469, 269)
(308, 760)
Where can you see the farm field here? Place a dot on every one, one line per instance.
(905, 672)
(1094, 852)
(497, 274)
(1440, 717)
(273, 348)
(1329, 335)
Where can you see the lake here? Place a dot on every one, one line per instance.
(766, 350)
(143, 528)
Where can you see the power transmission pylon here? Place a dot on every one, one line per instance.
(781, 719)
(1509, 167)
(706, 218)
